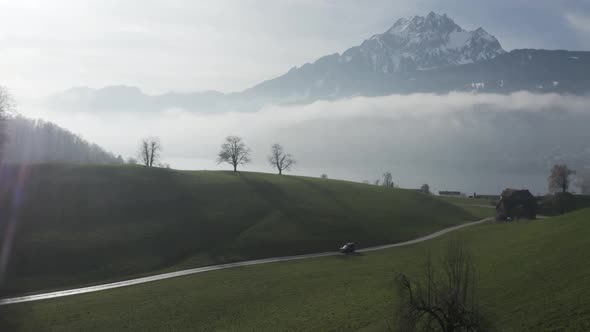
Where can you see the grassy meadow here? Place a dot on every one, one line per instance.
(83, 224)
(532, 276)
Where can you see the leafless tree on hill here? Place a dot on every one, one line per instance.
(559, 179)
(234, 152)
(149, 151)
(280, 160)
(387, 180)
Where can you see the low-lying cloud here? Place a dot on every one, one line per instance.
(470, 142)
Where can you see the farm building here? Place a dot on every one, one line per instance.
(516, 204)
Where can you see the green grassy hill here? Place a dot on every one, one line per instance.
(533, 276)
(479, 207)
(87, 224)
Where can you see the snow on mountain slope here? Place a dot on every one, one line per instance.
(429, 54)
(412, 44)
(418, 43)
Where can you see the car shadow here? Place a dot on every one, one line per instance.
(353, 254)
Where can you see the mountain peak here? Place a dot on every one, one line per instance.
(395, 59)
(418, 23)
(433, 41)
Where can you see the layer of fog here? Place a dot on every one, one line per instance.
(467, 142)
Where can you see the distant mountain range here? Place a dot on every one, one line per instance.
(417, 54)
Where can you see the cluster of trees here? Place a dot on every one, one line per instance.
(29, 140)
(386, 180)
(26, 140)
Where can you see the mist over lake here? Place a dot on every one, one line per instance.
(458, 141)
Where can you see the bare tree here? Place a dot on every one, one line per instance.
(425, 188)
(280, 160)
(446, 298)
(149, 151)
(387, 180)
(559, 179)
(234, 152)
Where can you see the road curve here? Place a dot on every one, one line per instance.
(90, 289)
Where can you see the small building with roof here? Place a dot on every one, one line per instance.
(516, 204)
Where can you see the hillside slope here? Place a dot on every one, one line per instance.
(533, 276)
(35, 141)
(87, 224)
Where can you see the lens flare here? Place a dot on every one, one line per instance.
(15, 183)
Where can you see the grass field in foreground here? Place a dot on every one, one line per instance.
(533, 276)
(90, 224)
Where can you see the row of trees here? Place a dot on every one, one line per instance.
(233, 152)
(236, 153)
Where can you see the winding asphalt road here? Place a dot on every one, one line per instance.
(90, 289)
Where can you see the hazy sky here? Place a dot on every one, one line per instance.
(185, 45)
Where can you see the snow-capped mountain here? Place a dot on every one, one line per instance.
(424, 43)
(411, 44)
(417, 54)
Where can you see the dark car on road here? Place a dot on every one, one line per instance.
(348, 248)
